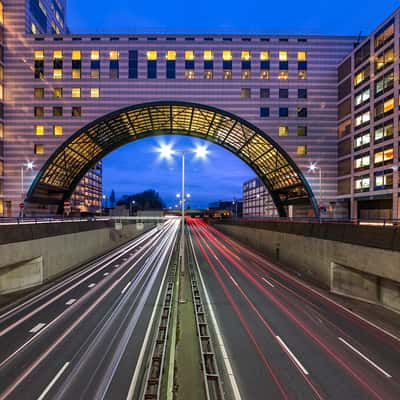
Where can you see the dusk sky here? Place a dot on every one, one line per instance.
(136, 167)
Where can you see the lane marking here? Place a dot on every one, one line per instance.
(365, 358)
(126, 287)
(37, 327)
(51, 384)
(219, 337)
(91, 285)
(69, 302)
(233, 280)
(267, 282)
(294, 358)
(116, 265)
(106, 273)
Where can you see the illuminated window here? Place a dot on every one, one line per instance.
(227, 74)
(189, 55)
(283, 75)
(57, 130)
(1, 91)
(264, 74)
(95, 55)
(302, 75)
(57, 92)
(189, 74)
(283, 56)
(76, 92)
(114, 55)
(39, 55)
(301, 56)
(384, 59)
(383, 132)
(301, 150)
(227, 55)
(246, 74)
(34, 29)
(384, 107)
(362, 118)
(361, 76)
(170, 55)
(57, 74)
(246, 56)
(362, 97)
(362, 183)
(151, 55)
(38, 149)
(38, 93)
(76, 73)
(283, 130)
(362, 162)
(57, 54)
(383, 156)
(208, 74)
(362, 140)
(208, 55)
(39, 130)
(383, 179)
(94, 93)
(76, 55)
(384, 34)
(264, 56)
(1, 13)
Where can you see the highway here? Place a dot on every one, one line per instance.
(83, 338)
(285, 339)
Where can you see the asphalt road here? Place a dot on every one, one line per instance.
(285, 339)
(83, 337)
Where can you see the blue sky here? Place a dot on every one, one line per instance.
(134, 167)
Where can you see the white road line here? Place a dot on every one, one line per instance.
(365, 358)
(69, 302)
(37, 327)
(221, 345)
(51, 384)
(233, 280)
(293, 357)
(267, 282)
(126, 287)
(116, 265)
(106, 273)
(91, 285)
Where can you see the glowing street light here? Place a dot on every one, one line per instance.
(29, 165)
(313, 168)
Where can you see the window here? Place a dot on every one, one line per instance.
(283, 75)
(283, 93)
(283, 56)
(208, 56)
(384, 84)
(264, 74)
(170, 67)
(1, 13)
(57, 130)
(57, 64)
(264, 112)
(302, 93)
(362, 119)
(189, 55)
(362, 183)
(38, 149)
(38, 111)
(189, 64)
(264, 65)
(39, 64)
(227, 74)
(383, 179)
(95, 64)
(245, 93)
(94, 92)
(362, 162)
(39, 130)
(152, 64)
(227, 64)
(208, 74)
(189, 74)
(383, 156)
(362, 76)
(283, 130)
(301, 56)
(302, 64)
(38, 93)
(227, 55)
(362, 97)
(362, 140)
(283, 112)
(133, 64)
(383, 108)
(114, 64)
(57, 92)
(76, 112)
(302, 131)
(302, 112)
(302, 75)
(246, 64)
(301, 150)
(383, 132)
(264, 93)
(384, 35)
(384, 59)
(362, 54)
(57, 111)
(76, 64)
(246, 74)
(76, 92)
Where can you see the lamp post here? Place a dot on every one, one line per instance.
(131, 204)
(29, 165)
(314, 167)
(166, 152)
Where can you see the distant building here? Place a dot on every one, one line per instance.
(257, 202)
(235, 207)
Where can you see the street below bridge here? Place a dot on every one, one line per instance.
(93, 334)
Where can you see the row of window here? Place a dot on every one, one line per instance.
(381, 109)
(283, 112)
(381, 133)
(58, 111)
(382, 156)
(58, 92)
(264, 93)
(382, 180)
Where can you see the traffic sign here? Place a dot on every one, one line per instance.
(21, 205)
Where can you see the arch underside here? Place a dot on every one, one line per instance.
(60, 175)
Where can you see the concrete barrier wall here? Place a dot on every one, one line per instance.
(368, 273)
(32, 262)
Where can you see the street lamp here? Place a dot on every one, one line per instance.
(167, 152)
(29, 165)
(131, 204)
(314, 167)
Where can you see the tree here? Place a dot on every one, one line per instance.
(147, 200)
(112, 199)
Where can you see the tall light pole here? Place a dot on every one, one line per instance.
(167, 152)
(29, 165)
(131, 204)
(314, 167)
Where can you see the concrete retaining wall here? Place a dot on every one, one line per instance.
(28, 263)
(368, 273)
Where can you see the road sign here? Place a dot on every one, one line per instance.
(21, 205)
(67, 203)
